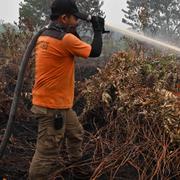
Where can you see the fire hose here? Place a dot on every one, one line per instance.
(17, 90)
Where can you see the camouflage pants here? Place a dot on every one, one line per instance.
(50, 137)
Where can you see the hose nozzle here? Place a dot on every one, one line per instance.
(88, 18)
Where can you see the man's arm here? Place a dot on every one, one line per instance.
(98, 27)
(96, 45)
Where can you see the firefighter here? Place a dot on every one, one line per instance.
(53, 91)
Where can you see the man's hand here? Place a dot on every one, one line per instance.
(97, 23)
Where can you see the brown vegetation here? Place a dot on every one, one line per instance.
(134, 118)
(128, 109)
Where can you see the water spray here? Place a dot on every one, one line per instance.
(143, 38)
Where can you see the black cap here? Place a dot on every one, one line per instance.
(60, 7)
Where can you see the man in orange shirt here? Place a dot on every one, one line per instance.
(53, 91)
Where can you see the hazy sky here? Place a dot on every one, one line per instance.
(9, 10)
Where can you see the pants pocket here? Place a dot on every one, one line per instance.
(55, 136)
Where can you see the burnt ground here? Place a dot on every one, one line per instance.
(15, 163)
(19, 151)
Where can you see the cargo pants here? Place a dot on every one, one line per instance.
(50, 136)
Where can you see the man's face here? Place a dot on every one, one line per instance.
(69, 20)
(72, 20)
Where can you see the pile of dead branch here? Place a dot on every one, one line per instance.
(132, 119)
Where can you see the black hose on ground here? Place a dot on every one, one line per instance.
(18, 89)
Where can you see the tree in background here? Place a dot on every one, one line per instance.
(35, 14)
(155, 17)
(131, 14)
